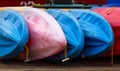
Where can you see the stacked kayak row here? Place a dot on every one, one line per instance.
(54, 34)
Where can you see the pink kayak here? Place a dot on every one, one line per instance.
(46, 36)
(112, 14)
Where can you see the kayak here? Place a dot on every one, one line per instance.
(113, 2)
(46, 36)
(111, 14)
(97, 31)
(14, 33)
(73, 33)
(90, 1)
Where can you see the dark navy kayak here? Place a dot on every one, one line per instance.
(113, 2)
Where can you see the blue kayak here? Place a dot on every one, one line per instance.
(98, 33)
(113, 2)
(73, 33)
(14, 34)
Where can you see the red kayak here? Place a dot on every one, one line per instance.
(112, 14)
(6, 3)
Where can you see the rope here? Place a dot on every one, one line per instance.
(27, 54)
(36, 5)
(65, 55)
(110, 10)
(112, 54)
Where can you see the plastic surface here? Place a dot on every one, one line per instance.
(98, 32)
(72, 31)
(113, 18)
(113, 2)
(46, 36)
(90, 2)
(14, 34)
